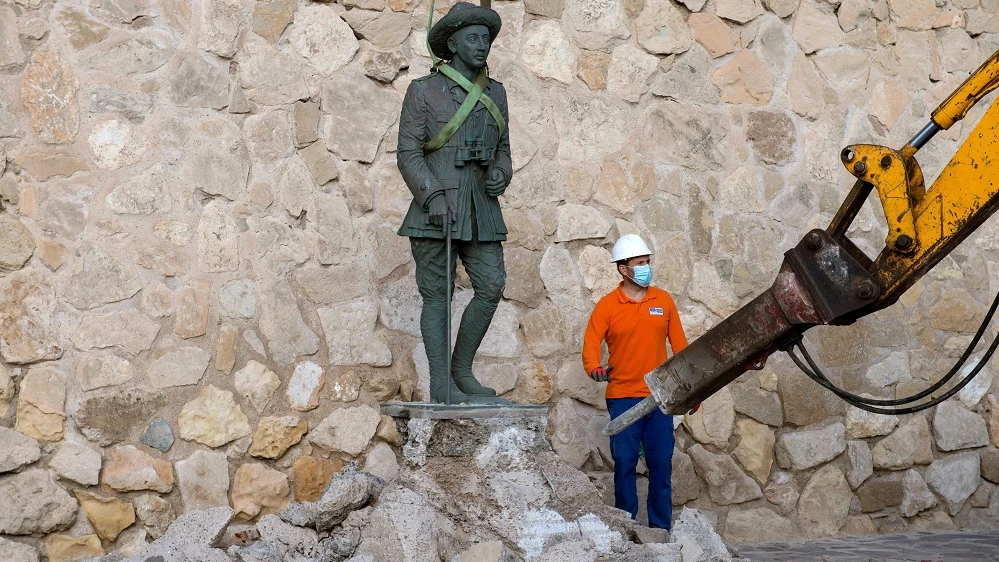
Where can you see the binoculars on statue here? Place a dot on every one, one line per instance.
(474, 151)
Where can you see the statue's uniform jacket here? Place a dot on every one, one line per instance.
(430, 103)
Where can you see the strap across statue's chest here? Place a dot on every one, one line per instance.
(475, 95)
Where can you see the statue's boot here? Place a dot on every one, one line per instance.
(433, 325)
(474, 324)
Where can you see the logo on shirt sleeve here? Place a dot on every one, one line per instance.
(655, 311)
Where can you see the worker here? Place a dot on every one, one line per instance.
(636, 320)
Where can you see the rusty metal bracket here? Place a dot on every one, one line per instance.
(837, 283)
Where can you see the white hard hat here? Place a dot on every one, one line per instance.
(629, 246)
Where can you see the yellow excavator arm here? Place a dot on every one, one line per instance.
(827, 279)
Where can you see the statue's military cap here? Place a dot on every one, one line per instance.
(461, 15)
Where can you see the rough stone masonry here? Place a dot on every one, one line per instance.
(203, 299)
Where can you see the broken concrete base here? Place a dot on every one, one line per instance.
(470, 489)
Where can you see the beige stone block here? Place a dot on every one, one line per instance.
(47, 165)
(825, 503)
(599, 273)
(257, 490)
(346, 387)
(52, 253)
(311, 474)
(755, 448)
(758, 525)
(129, 469)
(213, 418)
(888, 101)
(815, 29)
(155, 513)
(203, 479)
(727, 483)
(713, 421)
(347, 430)
(388, 431)
(225, 351)
(741, 11)
(548, 52)
(270, 19)
(661, 29)
(382, 29)
(11, 53)
(275, 435)
(716, 36)
(615, 190)
(913, 14)
(191, 309)
(744, 79)
(64, 548)
(992, 420)
(41, 404)
(270, 76)
(909, 444)
(16, 243)
(591, 68)
(48, 90)
(956, 311)
(108, 516)
(782, 8)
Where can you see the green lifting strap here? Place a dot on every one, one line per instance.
(491, 106)
(474, 94)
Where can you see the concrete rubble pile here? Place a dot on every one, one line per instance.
(498, 494)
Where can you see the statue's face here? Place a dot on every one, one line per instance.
(470, 45)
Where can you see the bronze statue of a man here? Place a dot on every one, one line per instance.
(454, 154)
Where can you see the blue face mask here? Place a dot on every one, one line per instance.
(643, 275)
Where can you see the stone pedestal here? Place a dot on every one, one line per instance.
(439, 430)
(494, 468)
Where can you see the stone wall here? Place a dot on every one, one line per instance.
(202, 296)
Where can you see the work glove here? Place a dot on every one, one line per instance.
(601, 374)
(693, 410)
(439, 206)
(496, 183)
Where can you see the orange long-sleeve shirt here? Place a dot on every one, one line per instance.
(636, 334)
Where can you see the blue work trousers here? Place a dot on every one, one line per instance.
(654, 433)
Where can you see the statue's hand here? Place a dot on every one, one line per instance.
(438, 208)
(496, 183)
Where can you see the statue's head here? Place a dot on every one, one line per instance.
(465, 33)
(470, 45)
